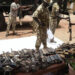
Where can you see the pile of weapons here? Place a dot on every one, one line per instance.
(28, 60)
(66, 51)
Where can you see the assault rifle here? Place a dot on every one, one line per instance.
(65, 11)
(8, 64)
(70, 28)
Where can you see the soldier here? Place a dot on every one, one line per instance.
(12, 16)
(41, 17)
(54, 8)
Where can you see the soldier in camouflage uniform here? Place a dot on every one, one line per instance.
(14, 7)
(41, 23)
(53, 16)
(12, 16)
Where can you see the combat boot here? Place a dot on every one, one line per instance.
(52, 40)
(14, 33)
(7, 35)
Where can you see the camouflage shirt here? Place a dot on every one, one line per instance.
(42, 14)
(14, 6)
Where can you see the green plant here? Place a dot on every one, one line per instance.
(71, 62)
(73, 65)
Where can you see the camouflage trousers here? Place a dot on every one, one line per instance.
(53, 24)
(11, 21)
(41, 37)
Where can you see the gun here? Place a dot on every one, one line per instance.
(49, 60)
(70, 28)
(58, 58)
(33, 65)
(23, 61)
(64, 10)
(50, 51)
(38, 59)
(43, 60)
(8, 64)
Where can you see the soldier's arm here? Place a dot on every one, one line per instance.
(27, 6)
(21, 7)
(37, 13)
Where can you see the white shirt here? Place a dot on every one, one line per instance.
(14, 6)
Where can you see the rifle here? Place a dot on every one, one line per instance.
(63, 10)
(43, 60)
(70, 28)
(8, 64)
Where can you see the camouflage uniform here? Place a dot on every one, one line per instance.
(11, 21)
(43, 16)
(53, 18)
(12, 17)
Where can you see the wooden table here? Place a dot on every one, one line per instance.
(54, 69)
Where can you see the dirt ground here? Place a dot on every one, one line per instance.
(24, 30)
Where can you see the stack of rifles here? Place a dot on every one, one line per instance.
(28, 60)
